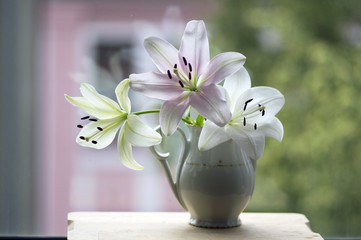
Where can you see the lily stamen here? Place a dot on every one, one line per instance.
(183, 80)
(190, 67)
(262, 109)
(175, 71)
(100, 129)
(185, 61)
(245, 104)
(80, 126)
(169, 75)
(86, 117)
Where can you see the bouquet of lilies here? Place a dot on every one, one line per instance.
(187, 78)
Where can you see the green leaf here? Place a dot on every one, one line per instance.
(200, 120)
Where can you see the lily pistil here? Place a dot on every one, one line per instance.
(187, 79)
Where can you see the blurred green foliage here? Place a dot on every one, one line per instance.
(311, 51)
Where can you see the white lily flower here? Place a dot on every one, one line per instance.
(107, 117)
(188, 77)
(253, 116)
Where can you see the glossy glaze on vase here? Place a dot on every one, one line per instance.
(214, 186)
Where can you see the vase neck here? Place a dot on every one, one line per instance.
(194, 132)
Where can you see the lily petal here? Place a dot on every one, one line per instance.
(236, 84)
(211, 136)
(163, 54)
(210, 103)
(99, 101)
(99, 134)
(125, 152)
(269, 97)
(195, 46)
(155, 85)
(84, 104)
(139, 134)
(171, 113)
(253, 144)
(273, 128)
(121, 92)
(220, 67)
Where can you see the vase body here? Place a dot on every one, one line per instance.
(214, 186)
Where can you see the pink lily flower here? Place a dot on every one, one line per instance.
(187, 77)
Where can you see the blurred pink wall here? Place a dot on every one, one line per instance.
(82, 179)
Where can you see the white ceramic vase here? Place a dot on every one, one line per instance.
(214, 186)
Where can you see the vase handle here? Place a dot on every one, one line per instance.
(163, 157)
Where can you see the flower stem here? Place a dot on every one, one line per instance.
(188, 121)
(146, 112)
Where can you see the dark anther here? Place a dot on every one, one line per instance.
(185, 61)
(82, 137)
(100, 129)
(259, 105)
(255, 126)
(175, 65)
(248, 101)
(94, 142)
(169, 75)
(245, 104)
(83, 118)
(244, 121)
(263, 112)
(80, 126)
(190, 67)
(189, 76)
(180, 83)
(93, 119)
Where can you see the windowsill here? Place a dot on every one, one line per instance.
(174, 225)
